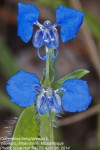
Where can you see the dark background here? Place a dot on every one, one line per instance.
(78, 130)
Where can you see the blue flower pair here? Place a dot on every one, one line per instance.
(68, 19)
(25, 90)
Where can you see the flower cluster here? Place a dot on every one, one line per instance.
(68, 19)
(24, 89)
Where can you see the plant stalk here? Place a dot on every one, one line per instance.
(48, 84)
(47, 68)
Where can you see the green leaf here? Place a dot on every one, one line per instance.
(76, 74)
(27, 127)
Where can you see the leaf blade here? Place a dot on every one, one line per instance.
(75, 74)
(27, 127)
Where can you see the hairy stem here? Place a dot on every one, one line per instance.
(51, 134)
(47, 76)
(46, 120)
(47, 72)
(47, 64)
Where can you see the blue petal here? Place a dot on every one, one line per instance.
(45, 104)
(38, 39)
(70, 21)
(54, 39)
(77, 96)
(56, 107)
(21, 89)
(41, 104)
(27, 16)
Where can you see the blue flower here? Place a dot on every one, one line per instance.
(68, 19)
(25, 90)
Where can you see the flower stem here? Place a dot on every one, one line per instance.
(47, 76)
(47, 64)
(46, 129)
(47, 81)
(51, 133)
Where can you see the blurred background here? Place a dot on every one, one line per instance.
(77, 130)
